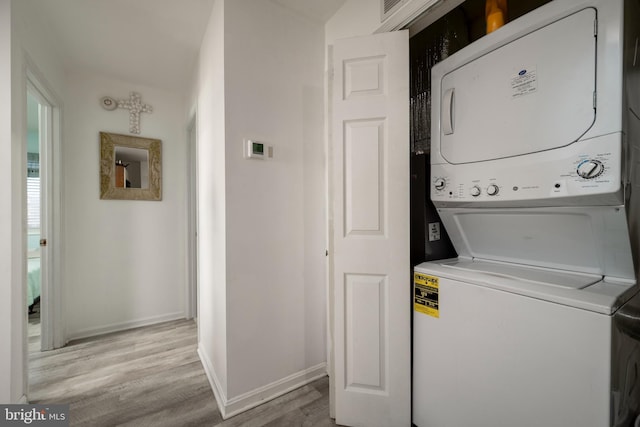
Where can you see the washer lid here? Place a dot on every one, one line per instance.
(580, 290)
(511, 272)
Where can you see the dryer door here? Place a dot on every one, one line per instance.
(533, 94)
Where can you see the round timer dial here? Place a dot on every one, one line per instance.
(590, 169)
(440, 183)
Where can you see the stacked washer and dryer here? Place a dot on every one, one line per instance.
(535, 172)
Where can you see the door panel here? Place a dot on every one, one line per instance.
(372, 282)
(364, 177)
(365, 302)
(536, 93)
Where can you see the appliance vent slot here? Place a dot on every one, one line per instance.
(388, 7)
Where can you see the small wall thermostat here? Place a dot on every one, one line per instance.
(257, 150)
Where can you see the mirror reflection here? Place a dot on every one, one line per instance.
(132, 167)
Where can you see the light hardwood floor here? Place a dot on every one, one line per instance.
(152, 376)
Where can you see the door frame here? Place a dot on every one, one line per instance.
(192, 291)
(416, 15)
(51, 303)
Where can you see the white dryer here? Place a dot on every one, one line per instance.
(536, 176)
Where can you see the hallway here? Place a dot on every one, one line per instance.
(152, 376)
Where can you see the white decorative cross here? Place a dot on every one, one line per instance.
(135, 106)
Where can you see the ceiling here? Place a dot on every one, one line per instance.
(316, 10)
(151, 42)
(154, 42)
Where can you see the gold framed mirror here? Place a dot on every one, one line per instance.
(130, 167)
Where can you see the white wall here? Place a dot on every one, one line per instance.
(34, 36)
(212, 303)
(276, 208)
(7, 281)
(354, 18)
(124, 260)
(261, 223)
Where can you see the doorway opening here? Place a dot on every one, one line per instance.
(41, 214)
(36, 111)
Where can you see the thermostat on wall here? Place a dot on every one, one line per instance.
(257, 150)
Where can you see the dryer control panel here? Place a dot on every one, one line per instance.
(589, 168)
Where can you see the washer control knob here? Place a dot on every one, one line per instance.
(492, 190)
(440, 183)
(589, 169)
(475, 191)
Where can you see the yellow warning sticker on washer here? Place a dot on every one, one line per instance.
(425, 294)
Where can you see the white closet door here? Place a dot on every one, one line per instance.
(371, 277)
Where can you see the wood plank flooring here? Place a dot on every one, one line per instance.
(152, 376)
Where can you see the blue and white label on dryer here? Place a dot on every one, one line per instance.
(524, 82)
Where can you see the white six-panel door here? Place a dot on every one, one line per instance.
(370, 202)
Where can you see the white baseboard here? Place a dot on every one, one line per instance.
(23, 400)
(230, 407)
(269, 392)
(218, 392)
(122, 326)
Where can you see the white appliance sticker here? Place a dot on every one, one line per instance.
(434, 231)
(524, 82)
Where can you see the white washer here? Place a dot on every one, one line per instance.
(506, 345)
